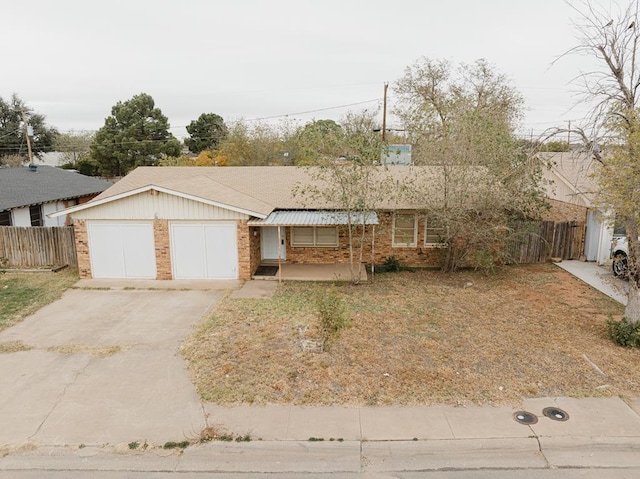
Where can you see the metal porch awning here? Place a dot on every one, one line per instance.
(315, 218)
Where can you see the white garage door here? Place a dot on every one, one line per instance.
(122, 250)
(204, 251)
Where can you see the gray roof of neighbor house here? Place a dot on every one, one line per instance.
(22, 186)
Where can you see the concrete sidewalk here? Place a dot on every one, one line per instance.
(600, 433)
(599, 277)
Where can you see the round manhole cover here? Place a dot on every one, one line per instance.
(524, 417)
(555, 413)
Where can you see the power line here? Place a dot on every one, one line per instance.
(315, 111)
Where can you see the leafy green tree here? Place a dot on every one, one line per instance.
(316, 140)
(12, 132)
(206, 133)
(258, 144)
(610, 37)
(136, 134)
(462, 121)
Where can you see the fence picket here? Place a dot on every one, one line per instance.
(36, 246)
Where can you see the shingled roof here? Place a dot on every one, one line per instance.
(23, 186)
(260, 190)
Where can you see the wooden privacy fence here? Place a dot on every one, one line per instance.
(546, 240)
(36, 246)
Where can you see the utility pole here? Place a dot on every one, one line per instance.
(384, 113)
(26, 134)
(569, 136)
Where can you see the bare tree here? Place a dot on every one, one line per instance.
(482, 185)
(610, 37)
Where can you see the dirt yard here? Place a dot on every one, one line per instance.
(418, 338)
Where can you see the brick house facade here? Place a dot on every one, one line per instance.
(238, 203)
(418, 255)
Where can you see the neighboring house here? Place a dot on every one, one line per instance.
(29, 194)
(205, 222)
(572, 192)
(50, 158)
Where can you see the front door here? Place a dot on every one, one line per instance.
(270, 243)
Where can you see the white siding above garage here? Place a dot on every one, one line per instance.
(151, 205)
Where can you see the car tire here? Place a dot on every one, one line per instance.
(619, 265)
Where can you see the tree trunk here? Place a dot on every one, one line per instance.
(632, 310)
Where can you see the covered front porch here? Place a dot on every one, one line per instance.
(306, 245)
(270, 271)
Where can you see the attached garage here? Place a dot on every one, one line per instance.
(195, 229)
(204, 250)
(121, 250)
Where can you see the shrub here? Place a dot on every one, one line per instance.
(333, 312)
(391, 264)
(624, 332)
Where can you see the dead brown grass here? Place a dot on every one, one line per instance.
(94, 351)
(13, 347)
(418, 338)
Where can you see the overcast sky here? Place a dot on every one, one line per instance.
(72, 60)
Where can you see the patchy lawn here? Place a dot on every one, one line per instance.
(22, 294)
(418, 338)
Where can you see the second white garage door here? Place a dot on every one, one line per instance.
(204, 251)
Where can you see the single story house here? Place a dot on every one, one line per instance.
(572, 192)
(28, 194)
(223, 222)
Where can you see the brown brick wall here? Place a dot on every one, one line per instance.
(256, 251)
(162, 248)
(419, 255)
(317, 255)
(244, 250)
(82, 248)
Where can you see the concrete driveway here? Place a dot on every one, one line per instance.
(103, 369)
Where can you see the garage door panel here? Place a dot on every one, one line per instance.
(122, 250)
(186, 242)
(222, 252)
(139, 251)
(105, 249)
(204, 251)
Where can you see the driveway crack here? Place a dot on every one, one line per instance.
(61, 397)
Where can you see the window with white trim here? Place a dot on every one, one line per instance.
(314, 236)
(434, 233)
(405, 231)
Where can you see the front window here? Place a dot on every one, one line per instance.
(404, 230)
(434, 232)
(35, 212)
(5, 218)
(314, 236)
(326, 236)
